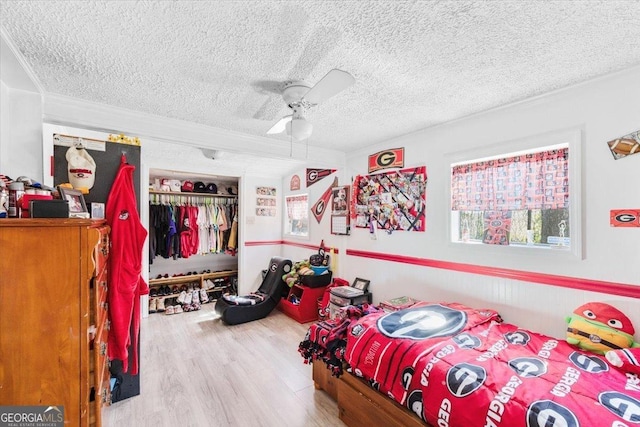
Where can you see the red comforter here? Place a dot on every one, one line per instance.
(456, 366)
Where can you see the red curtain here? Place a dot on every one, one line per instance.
(528, 181)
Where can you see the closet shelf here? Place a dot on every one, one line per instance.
(192, 278)
(184, 193)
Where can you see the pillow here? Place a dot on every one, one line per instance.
(599, 328)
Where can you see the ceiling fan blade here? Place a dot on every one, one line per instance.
(335, 81)
(280, 126)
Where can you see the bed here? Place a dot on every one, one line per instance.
(452, 365)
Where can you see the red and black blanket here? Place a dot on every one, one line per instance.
(457, 366)
(326, 341)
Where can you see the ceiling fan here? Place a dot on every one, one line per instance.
(300, 97)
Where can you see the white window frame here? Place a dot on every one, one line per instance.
(574, 139)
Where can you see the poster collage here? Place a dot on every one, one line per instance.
(265, 201)
(392, 200)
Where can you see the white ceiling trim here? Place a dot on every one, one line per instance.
(68, 111)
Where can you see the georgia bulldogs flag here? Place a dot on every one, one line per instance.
(319, 207)
(315, 175)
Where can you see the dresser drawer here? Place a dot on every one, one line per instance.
(101, 252)
(99, 300)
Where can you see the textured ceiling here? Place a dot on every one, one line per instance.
(416, 63)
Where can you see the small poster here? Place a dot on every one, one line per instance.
(295, 183)
(340, 204)
(625, 218)
(265, 201)
(340, 210)
(266, 191)
(265, 211)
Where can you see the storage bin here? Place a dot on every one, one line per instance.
(316, 281)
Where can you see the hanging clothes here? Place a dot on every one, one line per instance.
(126, 284)
(190, 226)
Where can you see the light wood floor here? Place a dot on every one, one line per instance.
(196, 371)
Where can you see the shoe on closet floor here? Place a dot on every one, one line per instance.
(204, 297)
(169, 310)
(188, 298)
(195, 298)
(153, 305)
(182, 297)
(177, 309)
(160, 305)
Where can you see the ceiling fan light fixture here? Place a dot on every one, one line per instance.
(294, 91)
(299, 129)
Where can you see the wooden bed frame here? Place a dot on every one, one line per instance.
(358, 404)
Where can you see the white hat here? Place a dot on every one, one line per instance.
(81, 168)
(176, 185)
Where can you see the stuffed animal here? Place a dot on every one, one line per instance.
(300, 268)
(627, 360)
(599, 327)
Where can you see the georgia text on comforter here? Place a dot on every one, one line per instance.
(457, 366)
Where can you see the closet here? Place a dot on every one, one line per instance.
(193, 240)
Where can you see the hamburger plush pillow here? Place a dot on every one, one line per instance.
(599, 328)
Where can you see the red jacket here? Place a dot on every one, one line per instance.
(125, 266)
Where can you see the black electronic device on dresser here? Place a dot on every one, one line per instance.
(342, 296)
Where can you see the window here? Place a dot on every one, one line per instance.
(522, 198)
(297, 218)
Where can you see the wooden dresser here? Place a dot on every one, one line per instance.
(54, 316)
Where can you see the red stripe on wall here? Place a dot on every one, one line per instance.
(526, 276)
(264, 243)
(289, 243)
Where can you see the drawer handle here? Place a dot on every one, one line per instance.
(103, 349)
(104, 395)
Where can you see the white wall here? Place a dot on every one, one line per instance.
(601, 110)
(317, 231)
(4, 124)
(21, 133)
(259, 229)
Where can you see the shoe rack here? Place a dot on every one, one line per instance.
(198, 279)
